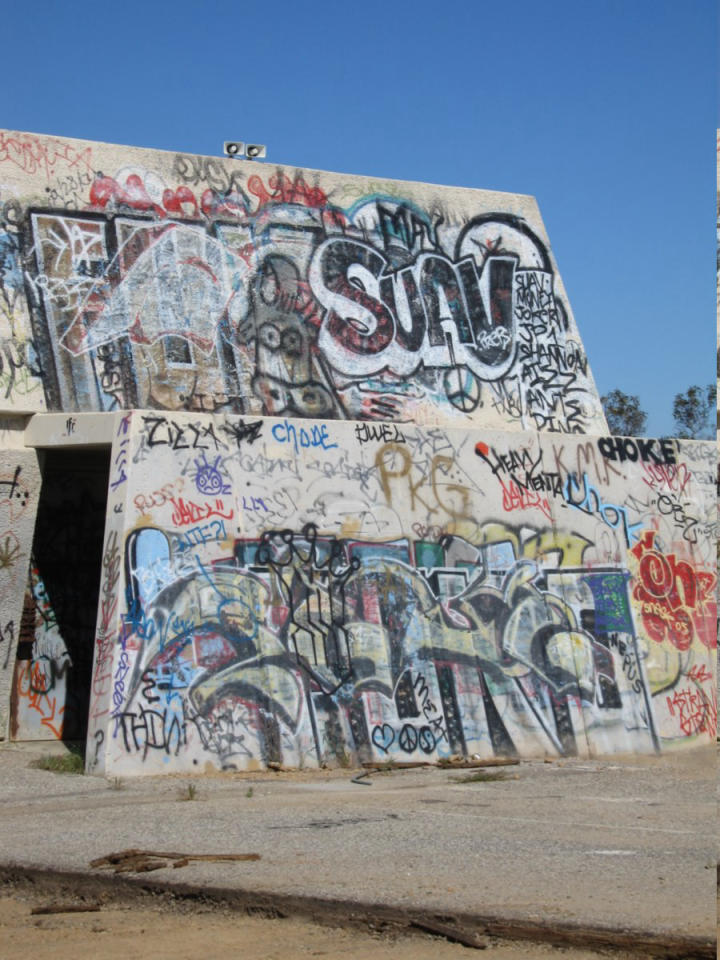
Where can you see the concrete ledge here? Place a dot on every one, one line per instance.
(70, 430)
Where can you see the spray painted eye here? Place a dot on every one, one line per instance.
(313, 400)
(291, 342)
(269, 336)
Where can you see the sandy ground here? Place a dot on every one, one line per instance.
(118, 932)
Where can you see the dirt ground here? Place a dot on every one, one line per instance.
(149, 925)
(123, 932)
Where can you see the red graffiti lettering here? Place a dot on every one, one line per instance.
(517, 498)
(673, 476)
(678, 603)
(186, 512)
(699, 673)
(696, 710)
(39, 155)
(285, 190)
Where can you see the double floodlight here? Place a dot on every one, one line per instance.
(252, 151)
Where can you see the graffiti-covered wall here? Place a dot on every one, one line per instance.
(19, 495)
(360, 501)
(313, 591)
(52, 671)
(136, 278)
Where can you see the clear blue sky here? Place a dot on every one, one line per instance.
(605, 111)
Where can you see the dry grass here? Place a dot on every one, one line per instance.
(70, 762)
(482, 776)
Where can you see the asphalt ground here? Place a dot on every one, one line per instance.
(623, 846)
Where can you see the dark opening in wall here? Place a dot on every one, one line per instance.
(53, 673)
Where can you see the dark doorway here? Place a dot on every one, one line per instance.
(51, 689)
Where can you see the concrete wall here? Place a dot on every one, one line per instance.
(19, 496)
(308, 592)
(349, 514)
(139, 278)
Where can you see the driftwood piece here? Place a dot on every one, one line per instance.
(140, 865)
(384, 766)
(360, 779)
(215, 856)
(487, 762)
(468, 938)
(459, 763)
(65, 908)
(143, 861)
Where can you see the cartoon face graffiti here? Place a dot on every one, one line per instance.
(208, 478)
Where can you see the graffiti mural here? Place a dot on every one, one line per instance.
(261, 610)
(40, 683)
(360, 500)
(192, 283)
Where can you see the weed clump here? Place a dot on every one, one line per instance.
(70, 762)
(482, 776)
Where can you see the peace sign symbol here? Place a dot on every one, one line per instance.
(462, 388)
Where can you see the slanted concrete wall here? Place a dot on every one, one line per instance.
(141, 278)
(313, 591)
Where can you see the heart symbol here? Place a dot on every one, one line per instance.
(383, 737)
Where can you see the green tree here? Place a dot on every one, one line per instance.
(694, 412)
(624, 415)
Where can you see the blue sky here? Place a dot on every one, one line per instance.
(606, 112)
